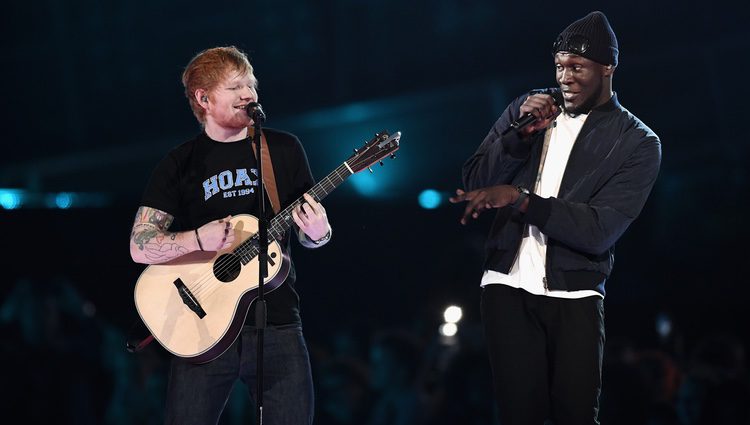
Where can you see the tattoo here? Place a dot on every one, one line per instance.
(150, 234)
(141, 237)
(160, 253)
(156, 217)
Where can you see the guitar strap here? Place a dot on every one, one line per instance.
(269, 178)
(135, 345)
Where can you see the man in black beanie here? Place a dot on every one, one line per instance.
(565, 188)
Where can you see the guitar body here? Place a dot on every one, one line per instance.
(195, 305)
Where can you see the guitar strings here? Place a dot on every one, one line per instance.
(207, 284)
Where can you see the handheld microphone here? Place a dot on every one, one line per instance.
(255, 111)
(528, 119)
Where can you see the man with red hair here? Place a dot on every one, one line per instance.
(186, 207)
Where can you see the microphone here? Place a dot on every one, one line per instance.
(255, 111)
(528, 119)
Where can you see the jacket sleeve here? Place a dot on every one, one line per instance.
(498, 158)
(601, 221)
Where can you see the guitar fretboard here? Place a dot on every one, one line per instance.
(248, 249)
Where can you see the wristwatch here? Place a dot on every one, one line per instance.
(523, 193)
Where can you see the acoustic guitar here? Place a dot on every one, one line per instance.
(195, 305)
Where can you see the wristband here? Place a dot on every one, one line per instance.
(198, 238)
(323, 239)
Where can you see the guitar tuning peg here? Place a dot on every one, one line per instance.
(355, 150)
(381, 163)
(393, 156)
(370, 168)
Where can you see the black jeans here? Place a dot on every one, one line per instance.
(545, 354)
(197, 394)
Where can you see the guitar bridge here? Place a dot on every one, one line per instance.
(188, 298)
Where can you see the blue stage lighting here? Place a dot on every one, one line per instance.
(365, 183)
(430, 199)
(64, 200)
(10, 199)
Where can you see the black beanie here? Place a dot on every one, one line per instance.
(594, 27)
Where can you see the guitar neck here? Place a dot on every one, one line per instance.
(283, 220)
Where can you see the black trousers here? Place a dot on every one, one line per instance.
(545, 354)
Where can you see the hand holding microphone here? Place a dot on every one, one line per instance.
(537, 111)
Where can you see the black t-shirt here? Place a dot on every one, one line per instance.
(204, 180)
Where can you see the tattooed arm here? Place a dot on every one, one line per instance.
(152, 243)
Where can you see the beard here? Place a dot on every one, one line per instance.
(587, 105)
(238, 120)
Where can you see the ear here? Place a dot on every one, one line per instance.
(609, 70)
(201, 97)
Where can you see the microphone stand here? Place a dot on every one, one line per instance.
(256, 113)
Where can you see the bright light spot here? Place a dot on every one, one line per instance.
(453, 314)
(64, 200)
(448, 329)
(429, 199)
(365, 183)
(10, 199)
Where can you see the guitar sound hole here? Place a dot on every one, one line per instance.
(227, 267)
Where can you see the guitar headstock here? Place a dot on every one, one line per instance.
(377, 148)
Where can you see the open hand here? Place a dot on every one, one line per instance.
(482, 199)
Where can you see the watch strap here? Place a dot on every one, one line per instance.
(523, 193)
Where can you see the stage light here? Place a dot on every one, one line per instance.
(452, 314)
(448, 329)
(20, 198)
(365, 184)
(11, 199)
(430, 199)
(64, 200)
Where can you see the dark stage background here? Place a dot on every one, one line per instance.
(93, 100)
